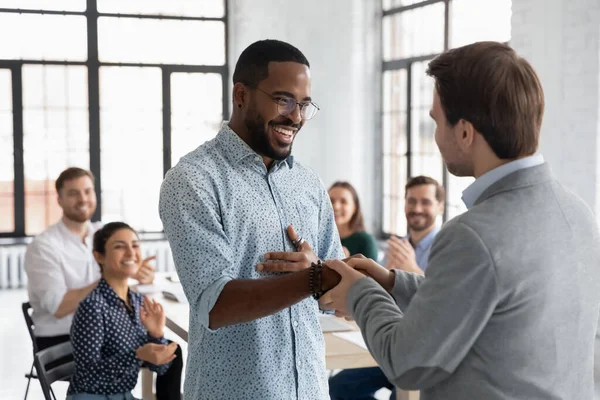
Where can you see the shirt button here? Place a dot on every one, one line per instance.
(299, 363)
(295, 323)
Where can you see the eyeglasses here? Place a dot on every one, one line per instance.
(287, 105)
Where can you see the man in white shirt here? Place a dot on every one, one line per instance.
(59, 262)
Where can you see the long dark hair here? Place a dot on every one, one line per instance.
(103, 234)
(357, 222)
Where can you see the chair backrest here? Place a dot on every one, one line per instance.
(60, 372)
(26, 307)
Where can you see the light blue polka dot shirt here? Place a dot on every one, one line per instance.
(222, 210)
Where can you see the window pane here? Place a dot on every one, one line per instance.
(43, 37)
(394, 179)
(477, 20)
(7, 161)
(415, 32)
(54, 5)
(394, 112)
(394, 90)
(131, 145)
(161, 41)
(426, 158)
(196, 111)
(184, 8)
(455, 187)
(55, 136)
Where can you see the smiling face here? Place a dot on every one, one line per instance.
(269, 133)
(77, 198)
(122, 255)
(422, 207)
(343, 205)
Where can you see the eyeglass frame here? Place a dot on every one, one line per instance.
(278, 99)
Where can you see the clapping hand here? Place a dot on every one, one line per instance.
(153, 317)
(157, 354)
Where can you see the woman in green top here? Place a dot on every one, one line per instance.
(349, 221)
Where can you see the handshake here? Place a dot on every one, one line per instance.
(337, 275)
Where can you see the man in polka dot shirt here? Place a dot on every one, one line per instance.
(253, 334)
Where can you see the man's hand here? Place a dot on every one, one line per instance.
(288, 261)
(157, 354)
(401, 255)
(152, 316)
(335, 299)
(145, 273)
(368, 267)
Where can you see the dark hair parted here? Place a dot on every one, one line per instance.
(489, 85)
(440, 192)
(253, 64)
(357, 222)
(70, 174)
(103, 234)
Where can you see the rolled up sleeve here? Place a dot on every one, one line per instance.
(46, 282)
(201, 250)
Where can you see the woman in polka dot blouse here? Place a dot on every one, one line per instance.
(116, 331)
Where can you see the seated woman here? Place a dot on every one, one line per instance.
(349, 221)
(360, 383)
(115, 330)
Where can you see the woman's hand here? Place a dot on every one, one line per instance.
(157, 354)
(153, 317)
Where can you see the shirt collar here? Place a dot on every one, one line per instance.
(236, 149)
(109, 293)
(427, 239)
(476, 189)
(88, 238)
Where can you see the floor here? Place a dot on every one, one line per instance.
(15, 347)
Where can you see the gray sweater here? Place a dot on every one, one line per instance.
(509, 306)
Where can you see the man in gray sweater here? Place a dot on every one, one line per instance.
(509, 305)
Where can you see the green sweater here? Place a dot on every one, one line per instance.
(361, 243)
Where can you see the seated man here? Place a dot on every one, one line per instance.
(60, 265)
(424, 202)
(424, 198)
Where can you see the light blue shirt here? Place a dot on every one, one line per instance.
(222, 210)
(476, 189)
(423, 247)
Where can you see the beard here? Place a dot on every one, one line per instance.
(428, 221)
(79, 217)
(260, 141)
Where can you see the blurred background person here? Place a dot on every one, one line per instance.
(350, 222)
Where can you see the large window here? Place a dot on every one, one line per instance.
(124, 88)
(414, 32)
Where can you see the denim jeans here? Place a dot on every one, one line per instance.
(358, 384)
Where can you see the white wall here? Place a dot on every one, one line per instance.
(561, 38)
(340, 38)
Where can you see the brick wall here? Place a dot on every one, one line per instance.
(561, 38)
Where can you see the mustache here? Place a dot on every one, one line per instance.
(287, 122)
(417, 215)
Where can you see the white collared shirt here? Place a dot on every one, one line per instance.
(55, 262)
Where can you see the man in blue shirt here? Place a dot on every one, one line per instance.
(424, 202)
(253, 334)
